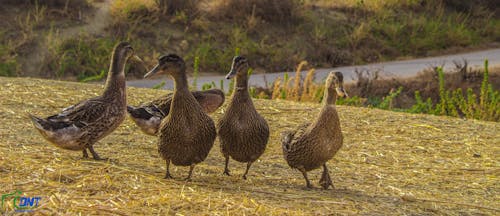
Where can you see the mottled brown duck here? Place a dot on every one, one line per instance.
(314, 144)
(187, 133)
(80, 126)
(243, 133)
(149, 115)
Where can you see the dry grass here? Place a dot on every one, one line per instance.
(391, 163)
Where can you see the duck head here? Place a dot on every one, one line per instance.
(124, 50)
(171, 64)
(239, 67)
(335, 81)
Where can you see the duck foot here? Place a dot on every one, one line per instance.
(188, 178)
(326, 180)
(94, 154)
(308, 183)
(167, 174)
(85, 154)
(226, 167)
(246, 171)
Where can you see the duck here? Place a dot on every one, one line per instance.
(243, 132)
(80, 126)
(148, 116)
(187, 134)
(312, 145)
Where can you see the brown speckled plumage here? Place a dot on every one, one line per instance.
(243, 133)
(187, 134)
(312, 145)
(80, 126)
(149, 115)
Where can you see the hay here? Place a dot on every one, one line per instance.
(391, 163)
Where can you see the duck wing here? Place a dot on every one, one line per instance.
(290, 138)
(82, 113)
(145, 112)
(210, 100)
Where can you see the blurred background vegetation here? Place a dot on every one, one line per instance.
(72, 39)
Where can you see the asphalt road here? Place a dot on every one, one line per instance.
(405, 68)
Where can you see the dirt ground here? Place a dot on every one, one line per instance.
(391, 164)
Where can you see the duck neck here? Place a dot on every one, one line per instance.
(115, 82)
(182, 98)
(330, 96)
(241, 87)
(180, 82)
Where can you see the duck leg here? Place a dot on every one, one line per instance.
(94, 154)
(226, 168)
(304, 173)
(167, 175)
(246, 171)
(85, 154)
(191, 168)
(325, 180)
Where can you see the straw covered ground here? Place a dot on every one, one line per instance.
(391, 163)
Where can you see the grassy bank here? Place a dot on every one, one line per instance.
(275, 35)
(391, 163)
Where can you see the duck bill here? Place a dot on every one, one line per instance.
(139, 62)
(136, 58)
(152, 71)
(341, 92)
(231, 73)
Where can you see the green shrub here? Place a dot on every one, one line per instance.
(486, 106)
(159, 85)
(82, 57)
(207, 86)
(8, 68)
(196, 69)
(386, 102)
(350, 101)
(421, 106)
(8, 64)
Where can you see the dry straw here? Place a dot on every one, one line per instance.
(391, 163)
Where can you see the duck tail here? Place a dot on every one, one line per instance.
(286, 140)
(130, 109)
(134, 111)
(38, 122)
(139, 112)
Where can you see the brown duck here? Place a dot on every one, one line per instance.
(187, 133)
(243, 133)
(80, 126)
(149, 115)
(312, 145)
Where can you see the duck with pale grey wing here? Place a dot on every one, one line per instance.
(312, 145)
(149, 115)
(243, 133)
(187, 133)
(80, 126)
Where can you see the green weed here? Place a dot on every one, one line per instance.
(196, 69)
(159, 85)
(484, 106)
